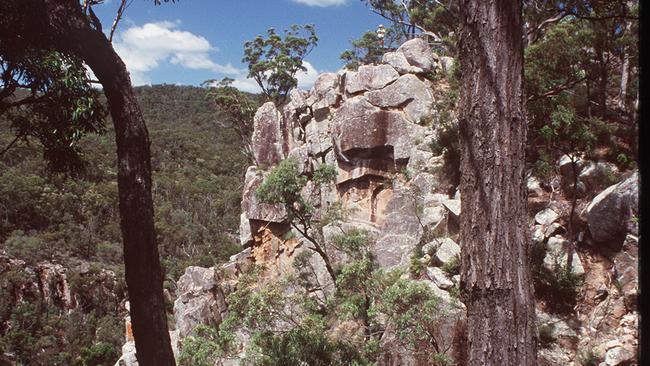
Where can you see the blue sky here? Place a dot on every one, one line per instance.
(190, 41)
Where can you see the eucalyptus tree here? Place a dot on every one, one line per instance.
(496, 283)
(273, 61)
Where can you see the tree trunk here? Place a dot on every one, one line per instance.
(601, 66)
(496, 283)
(69, 31)
(625, 72)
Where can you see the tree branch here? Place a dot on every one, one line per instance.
(18, 137)
(558, 89)
(533, 34)
(120, 11)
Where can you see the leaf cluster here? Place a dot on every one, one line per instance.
(47, 96)
(274, 60)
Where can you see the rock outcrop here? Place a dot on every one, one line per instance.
(200, 300)
(611, 214)
(51, 283)
(372, 125)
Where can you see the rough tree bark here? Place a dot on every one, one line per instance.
(496, 283)
(62, 25)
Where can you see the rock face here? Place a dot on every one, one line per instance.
(369, 125)
(557, 256)
(49, 283)
(267, 136)
(408, 91)
(200, 301)
(364, 123)
(610, 214)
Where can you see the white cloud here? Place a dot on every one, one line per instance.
(320, 3)
(305, 79)
(144, 48)
(247, 85)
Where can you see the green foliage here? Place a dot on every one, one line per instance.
(274, 61)
(544, 165)
(100, 354)
(202, 348)
(416, 266)
(305, 345)
(353, 243)
(546, 338)
(569, 81)
(41, 334)
(283, 185)
(588, 357)
(46, 96)
(413, 311)
(369, 49)
(290, 323)
(324, 174)
(452, 267)
(558, 286)
(436, 19)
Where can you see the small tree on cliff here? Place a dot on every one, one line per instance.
(273, 62)
(496, 282)
(370, 48)
(284, 186)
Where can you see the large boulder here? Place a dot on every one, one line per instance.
(565, 165)
(408, 91)
(419, 54)
(324, 94)
(361, 126)
(598, 175)
(369, 77)
(546, 217)
(439, 277)
(318, 136)
(610, 214)
(325, 83)
(414, 56)
(447, 251)
(400, 63)
(267, 138)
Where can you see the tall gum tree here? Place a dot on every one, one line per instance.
(62, 25)
(496, 281)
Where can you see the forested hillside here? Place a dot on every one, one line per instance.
(73, 220)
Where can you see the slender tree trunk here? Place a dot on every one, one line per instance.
(68, 30)
(624, 80)
(602, 82)
(496, 283)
